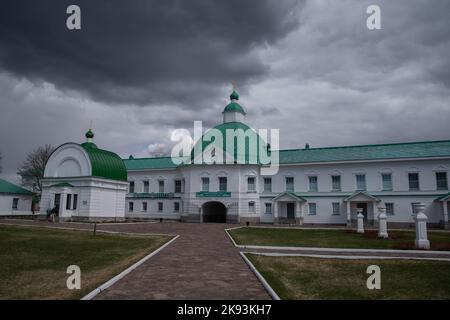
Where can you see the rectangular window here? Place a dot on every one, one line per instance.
(336, 208)
(205, 184)
(290, 184)
(160, 185)
(312, 209)
(68, 201)
(268, 208)
(223, 184)
(361, 182)
(131, 187)
(15, 203)
(441, 181)
(146, 186)
(267, 184)
(413, 179)
(75, 202)
(144, 206)
(251, 207)
(336, 183)
(130, 206)
(160, 206)
(251, 184)
(389, 208)
(386, 179)
(313, 184)
(177, 186)
(176, 207)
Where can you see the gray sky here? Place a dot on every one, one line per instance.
(310, 68)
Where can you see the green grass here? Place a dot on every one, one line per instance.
(33, 262)
(335, 238)
(330, 279)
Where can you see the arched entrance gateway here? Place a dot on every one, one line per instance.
(214, 211)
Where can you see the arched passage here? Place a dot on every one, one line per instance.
(214, 211)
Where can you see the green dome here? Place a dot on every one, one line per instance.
(250, 156)
(89, 134)
(234, 107)
(234, 95)
(105, 164)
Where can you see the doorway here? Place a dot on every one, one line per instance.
(363, 206)
(214, 211)
(290, 210)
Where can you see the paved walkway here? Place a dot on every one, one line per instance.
(201, 264)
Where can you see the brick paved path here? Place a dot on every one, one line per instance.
(201, 264)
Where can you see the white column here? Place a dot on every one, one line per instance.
(360, 217)
(382, 223)
(421, 227)
(275, 212)
(298, 214)
(349, 214)
(374, 212)
(445, 217)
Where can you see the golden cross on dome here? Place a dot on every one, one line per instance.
(233, 83)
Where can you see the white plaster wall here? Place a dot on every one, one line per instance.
(23, 207)
(69, 160)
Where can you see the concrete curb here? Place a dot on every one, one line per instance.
(325, 256)
(229, 235)
(134, 234)
(116, 278)
(319, 249)
(261, 279)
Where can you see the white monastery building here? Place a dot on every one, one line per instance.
(14, 200)
(312, 185)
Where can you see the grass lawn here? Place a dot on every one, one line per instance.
(316, 278)
(33, 261)
(335, 238)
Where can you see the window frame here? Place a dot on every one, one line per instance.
(390, 212)
(253, 189)
(313, 186)
(15, 204)
(207, 184)
(266, 205)
(312, 205)
(445, 186)
(332, 183)
(383, 187)
(160, 206)
(286, 184)
(412, 181)
(269, 184)
(221, 184)
(338, 211)
(357, 182)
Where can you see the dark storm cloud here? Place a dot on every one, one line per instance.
(142, 51)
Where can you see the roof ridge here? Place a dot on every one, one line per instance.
(367, 145)
(151, 158)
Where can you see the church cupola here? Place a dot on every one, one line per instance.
(233, 112)
(89, 136)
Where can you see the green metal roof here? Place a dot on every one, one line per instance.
(424, 149)
(234, 107)
(105, 164)
(8, 187)
(150, 163)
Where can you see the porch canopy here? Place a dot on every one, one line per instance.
(361, 197)
(283, 204)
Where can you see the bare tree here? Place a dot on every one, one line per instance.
(32, 169)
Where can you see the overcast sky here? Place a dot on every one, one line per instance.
(139, 69)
